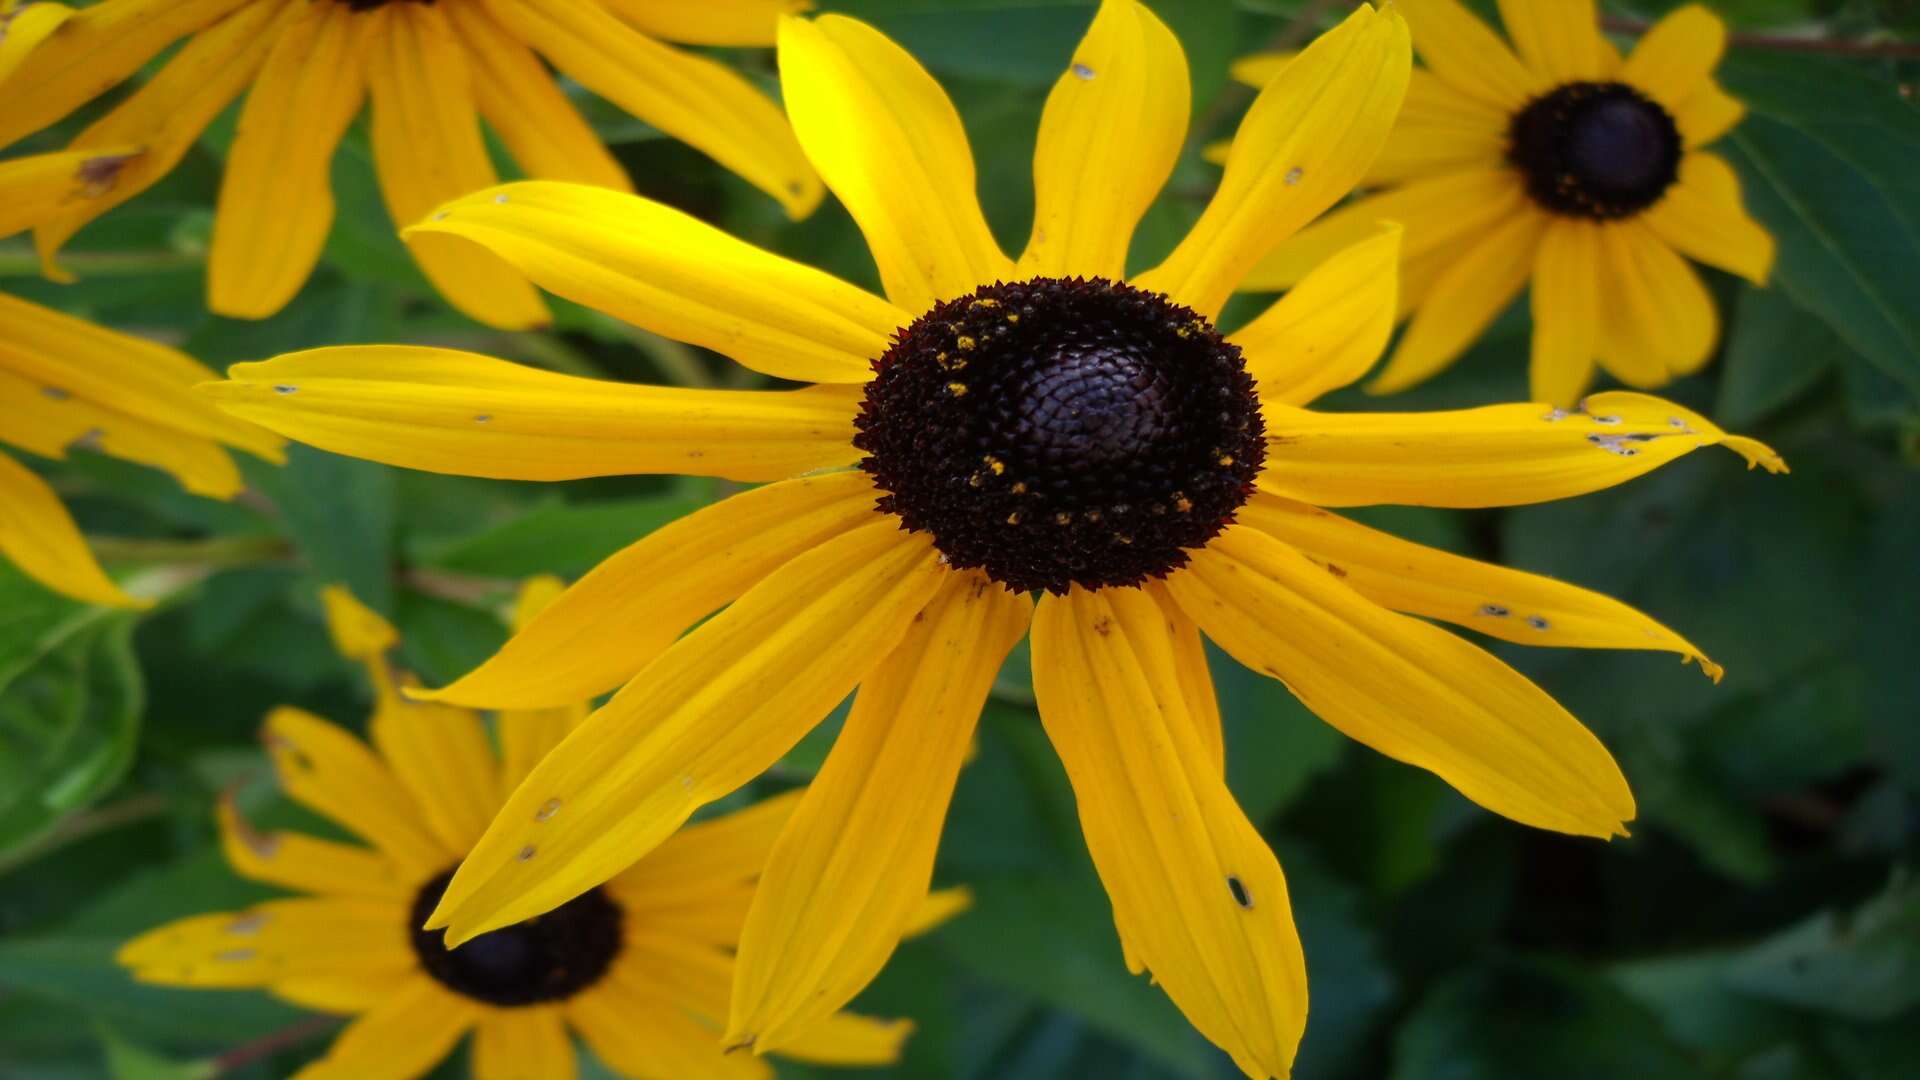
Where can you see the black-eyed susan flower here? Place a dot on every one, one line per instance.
(67, 383)
(639, 966)
(431, 72)
(1559, 163)
(1044, 424)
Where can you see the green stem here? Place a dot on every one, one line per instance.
(1874, 48)
(680, 363)
(549, 351)
(217, 551)
(86, 823)
(20, 262)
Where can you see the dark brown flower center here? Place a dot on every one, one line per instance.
(547, 958)
(1062, 431)
(1595, 150)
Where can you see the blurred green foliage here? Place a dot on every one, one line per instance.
(1758, 924)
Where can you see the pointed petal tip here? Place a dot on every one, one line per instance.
(1707, 667)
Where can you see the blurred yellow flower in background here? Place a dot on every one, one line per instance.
(639, 968)
(67, 383)
(1555, 162)
(432, 72)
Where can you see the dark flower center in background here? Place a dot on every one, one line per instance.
(1062, 431)
(369, 5)
(1595, 150)
(547, 958)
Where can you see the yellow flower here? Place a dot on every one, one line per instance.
(640, 967)
(1020, 426)
(431, 70)
(65, 382)
(1564, 165)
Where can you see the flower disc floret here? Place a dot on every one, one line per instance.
(547, 958)
(1062, 431)
(1595, 150)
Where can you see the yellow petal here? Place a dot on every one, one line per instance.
(709, 858)
(888, 142)
(526, 1043)
(1199, 893)
(1566, 311)
(358, 631)
(88, 52)
(1437, 214)
(1327, 331)
(441, 757)
(1707, 113)
(517, 95)
(276, 196)
(1512, 605)
(1659, 319)
(706, 22)
(274, 940)
(1475, 289)
(636, 1031)
(37, 536)
(1496, 455)
(1259, 69)
(41, 420)
(35, 188)
(76, 359)
(457, 412)
(344, 994)
(410, 1032)
(1415, 151)
(426, 145)
(1112, 130)
(165, 116)
(1404, 687)
(623, 614)
(708, 715)
(327, 770)
(677, 276)
(855, 862)
(304, 863)
(1435, 102)
(699, 977)
(1195, 676)
(1676, 58)
(526, 735)
(849, 1039)
(714, 917)
(1702, 217)
(22, 28)
(1560, 39)
(692, 98)
(1469, 56)
(938, 908)
(1307, 139)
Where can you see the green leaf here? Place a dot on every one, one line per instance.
(560, 538)
(73, 964)
(340, 514)
(443, 640)
(128, 1061)
(1275, 745)
(1863, 966)
(70, 701)
(1052, 939)
(1826, 154)
(1534, 1018)
(1775, 353)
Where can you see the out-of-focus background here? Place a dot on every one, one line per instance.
(1759, 924)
